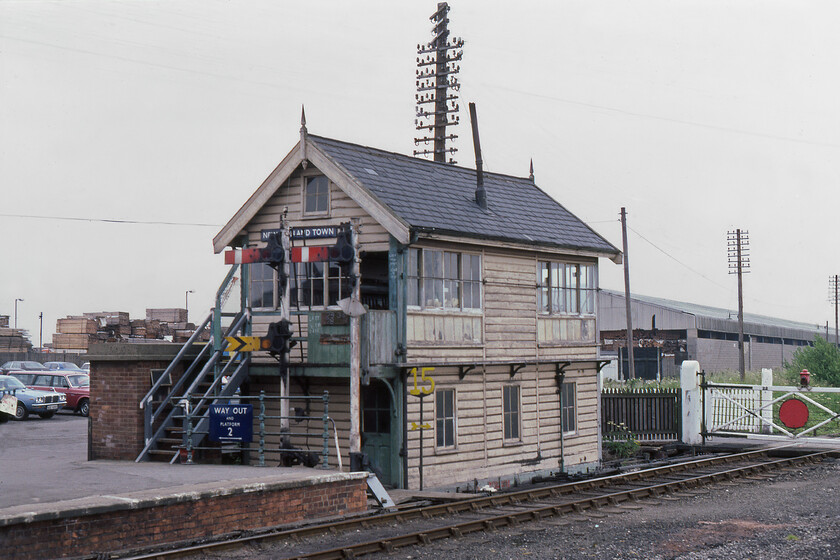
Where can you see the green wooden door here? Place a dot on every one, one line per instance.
(377, 423)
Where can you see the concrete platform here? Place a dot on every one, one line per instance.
(51, 496)
(45, 461)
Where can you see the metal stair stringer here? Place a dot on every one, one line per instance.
(213, 395)
(151, 415)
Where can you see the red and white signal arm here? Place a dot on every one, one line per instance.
(310, 254)
(243, 256)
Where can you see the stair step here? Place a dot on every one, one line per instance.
(162, 453)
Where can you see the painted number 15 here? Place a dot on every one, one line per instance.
(417, 391)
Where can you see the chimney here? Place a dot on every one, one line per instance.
(480, 193)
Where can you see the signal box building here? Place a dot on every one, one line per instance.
(479, 323)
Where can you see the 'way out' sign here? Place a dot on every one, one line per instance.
(231, 422)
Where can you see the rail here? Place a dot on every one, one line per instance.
(346, 538)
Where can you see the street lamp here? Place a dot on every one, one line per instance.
(187, 302)
(16, 300)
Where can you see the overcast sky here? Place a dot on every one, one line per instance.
(131, 131)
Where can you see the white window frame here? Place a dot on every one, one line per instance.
(251, 282)
(565, 288)
(448, 287)
(330, 277)
(305, 196)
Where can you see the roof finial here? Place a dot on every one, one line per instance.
(302, 121)
(304, 163)
(531, 175)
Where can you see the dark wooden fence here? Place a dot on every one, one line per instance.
(42, 357)
(652, 415)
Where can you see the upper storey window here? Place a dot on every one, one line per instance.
(316, 195)
(566, 288)
(444, 280)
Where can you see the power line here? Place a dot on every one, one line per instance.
(672, 257)
(110, 220)
(664, 119)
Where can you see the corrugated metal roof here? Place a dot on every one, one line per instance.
(717, 318)
(440, 198)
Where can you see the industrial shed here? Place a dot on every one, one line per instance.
(666, 332)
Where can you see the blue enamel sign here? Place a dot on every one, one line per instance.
(231, 422)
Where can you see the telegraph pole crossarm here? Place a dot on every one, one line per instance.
(737, 243)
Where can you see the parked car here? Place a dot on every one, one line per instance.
(86, 367)
(21, 366)
(63, 366)
(75, 386)
(31, 401)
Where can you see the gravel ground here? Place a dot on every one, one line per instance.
(794, 515)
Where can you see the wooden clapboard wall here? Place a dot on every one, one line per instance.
(338, 409)
(481, 452)
(342, 209)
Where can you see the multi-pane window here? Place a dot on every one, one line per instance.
(568, 413)
(316, 195)
(510, 411)
(262, 285)
(566, 288)
(318, 284)
(445, 418)
(376, 409)
(444, 279)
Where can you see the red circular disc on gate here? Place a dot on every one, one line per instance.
(793, 413)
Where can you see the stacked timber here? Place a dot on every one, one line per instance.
(78, 332)
(145, 328)
(170, 315)
(14, 340)
(115, 324)
(75, 333)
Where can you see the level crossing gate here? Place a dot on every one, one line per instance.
(766, 411)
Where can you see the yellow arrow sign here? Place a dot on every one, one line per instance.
(416, 426)
(243, 343)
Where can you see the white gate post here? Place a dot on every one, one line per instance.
(691, 405)
(766, 398)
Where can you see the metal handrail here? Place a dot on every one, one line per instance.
(190, 413)
(175, 361)
(151, 439)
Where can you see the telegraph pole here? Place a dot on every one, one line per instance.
(355, 342)
(737, 243)
(437, 87)
(631, 367)
(834, 297)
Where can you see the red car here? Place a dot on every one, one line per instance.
(75, 385)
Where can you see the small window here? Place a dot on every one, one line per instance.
(316, 195)
(510, 411)
(59, 381)
(262, 286)
(568, 414)
(445, 418)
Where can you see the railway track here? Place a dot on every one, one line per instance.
(385, 532)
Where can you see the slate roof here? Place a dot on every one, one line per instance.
(440, 198)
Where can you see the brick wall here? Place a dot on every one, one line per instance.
(120, 378)
(179, 518)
